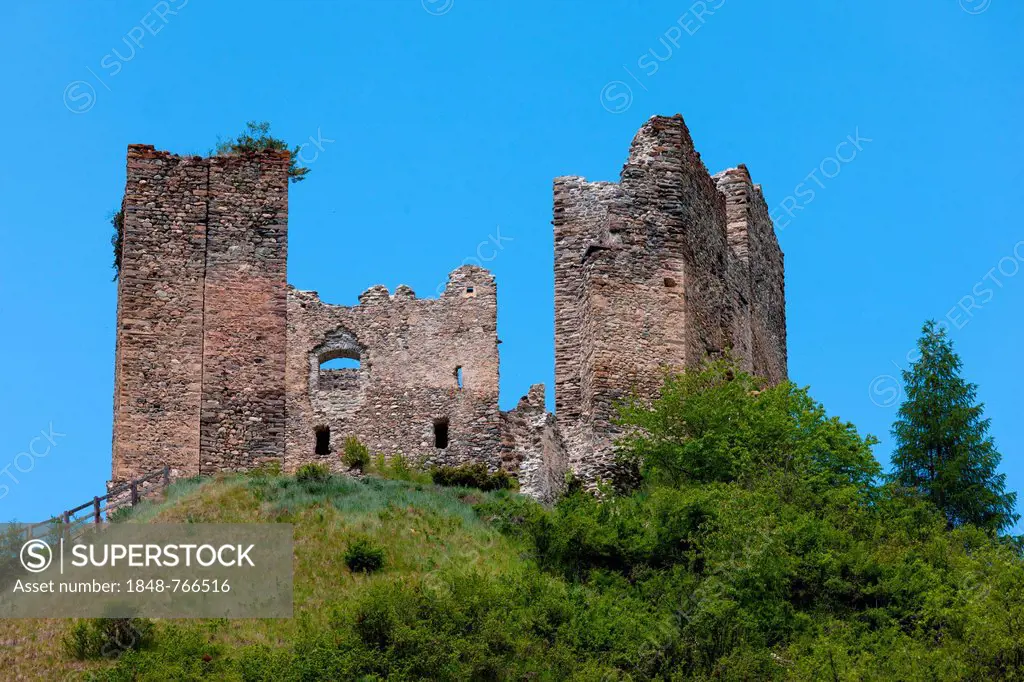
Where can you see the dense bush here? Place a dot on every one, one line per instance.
(473, 475)
(312, 474)
(97, 638)
(355, 455)
(256, 138)
(362, 556)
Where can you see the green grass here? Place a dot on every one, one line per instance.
(425, 531)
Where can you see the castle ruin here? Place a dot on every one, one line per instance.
(220, 363)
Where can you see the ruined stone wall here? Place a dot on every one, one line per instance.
(757, 266)
(538, 457)
(768, 307)
(662, 270)
(158, 363)
(200, 320)
(246, 294)
(219, 363)
(410, 351)
(580, 210)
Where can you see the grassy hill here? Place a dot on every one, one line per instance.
(761, 542)
(427, 534)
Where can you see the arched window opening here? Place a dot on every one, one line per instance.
(340, 363)
(441, 433)
(339, 368)
(323, 440)
(458, 377)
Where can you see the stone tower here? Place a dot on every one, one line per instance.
(665, 268)
(201, 318)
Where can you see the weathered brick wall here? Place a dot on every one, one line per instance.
(243, 409)
(199, 369)
(158, 364)
(768, 281)
(734, 184)
(664, 269)
(409, 350)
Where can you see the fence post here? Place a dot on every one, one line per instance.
(66, 530)
(167, 475)
(135, 492)
(96, 509)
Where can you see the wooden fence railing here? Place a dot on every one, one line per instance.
(72, 523)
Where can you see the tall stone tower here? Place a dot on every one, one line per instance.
(201, 315)
(661, 270)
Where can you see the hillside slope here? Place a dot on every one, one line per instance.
(426, 532)
(760, 541)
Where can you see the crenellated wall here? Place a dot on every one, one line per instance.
(221, 366)
(411, 352)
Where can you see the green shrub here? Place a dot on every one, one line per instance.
(313, 473)
(270, 469)
(362, 556)
(399, 468)
(356, 455)
(117, 239)
(256, 138)
(97, 638)
(120, 514)
(472, 476)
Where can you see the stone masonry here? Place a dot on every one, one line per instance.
(221, 366)
(405, 397)
(663, 269)
(201, 318)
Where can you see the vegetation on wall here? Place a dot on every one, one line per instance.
(355, 455)
(256, 138)
(474, 475)
(117, 239)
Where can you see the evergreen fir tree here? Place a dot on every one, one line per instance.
(943, 448)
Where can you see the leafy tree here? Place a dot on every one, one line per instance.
(256, 138)
(943, 448)
(720, 424)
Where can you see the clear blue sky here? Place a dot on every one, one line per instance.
(447, 121)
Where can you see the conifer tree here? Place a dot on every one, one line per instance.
(943, 448)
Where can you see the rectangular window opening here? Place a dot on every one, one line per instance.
(323, 440)
(441, 433)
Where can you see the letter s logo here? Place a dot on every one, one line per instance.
(36, 556)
